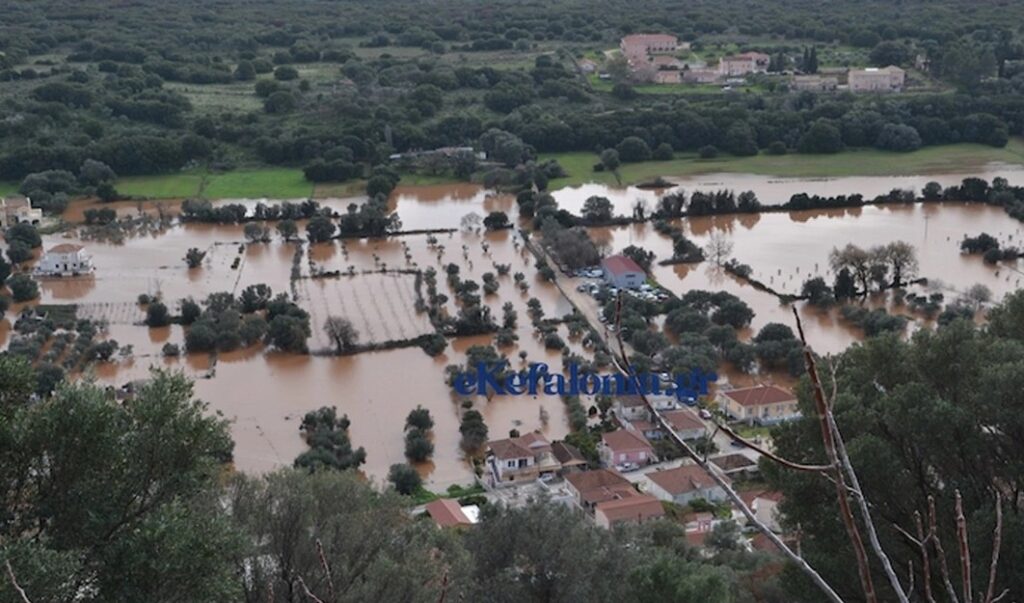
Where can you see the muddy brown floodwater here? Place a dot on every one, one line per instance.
(265, 393)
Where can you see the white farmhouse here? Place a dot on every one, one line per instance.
(622, 272)
(65, 260)
(15, 210)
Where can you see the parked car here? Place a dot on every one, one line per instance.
(705, 413)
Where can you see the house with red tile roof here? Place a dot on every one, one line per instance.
(685, 423)
(633, 509)
(447, 513)
(742, 64)
(622, 272)
(638, 47)
(589, 488)
(763, 404)
(624, 446)
(684, 484)
(523, 458)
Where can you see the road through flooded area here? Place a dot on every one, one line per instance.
(373, 283)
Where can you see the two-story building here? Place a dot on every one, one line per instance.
(763, 404)
(874, 79)
(743, 64)
(65, 259)
(624, 448)
(523, 458)
(622, 272)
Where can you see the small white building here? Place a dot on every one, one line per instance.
(622, 272)
(18, 209)
(65, 260)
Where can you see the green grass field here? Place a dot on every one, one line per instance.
(162, 186)
(8, 188)
(277, 183)
(859, 162)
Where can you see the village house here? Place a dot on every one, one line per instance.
(524, 458)
(763, 404)
(18, 209)
(765, 508)
(569, 457)
(624, 447)
(65, 260)
(699, 75)
(735, 465)
(586, 65)
(640, 46)
(588, 488)
(622, 272)
(631, 407)
(814, 83)
(742, 64)
(683, 485)
(873, 79)
(685, 423)
(447, 513)
(634, 509)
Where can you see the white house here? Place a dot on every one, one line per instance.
(64, 260)
(520, 459)
(15, 210)
(622, 272)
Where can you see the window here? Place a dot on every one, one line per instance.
(511, 464)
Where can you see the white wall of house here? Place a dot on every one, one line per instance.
(624, 280)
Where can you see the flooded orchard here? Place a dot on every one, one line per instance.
(373, 283)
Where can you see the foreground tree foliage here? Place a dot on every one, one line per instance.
(924, 417)
(112, 502)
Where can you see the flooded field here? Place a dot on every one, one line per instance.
(373, 283)
(772, 190)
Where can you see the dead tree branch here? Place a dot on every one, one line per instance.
(622, 363)
(327, 570)
(14, 582)
(964, 549)
(997, 541)
(845, 512)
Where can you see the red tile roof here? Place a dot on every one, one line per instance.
(760, 395)
(683, 420)
(634, 508)
(620, 264)
(66, 248)
(447, 513)
(530, 444)
(621, 440)
(682, 480)
(656, 39)
(733, 461)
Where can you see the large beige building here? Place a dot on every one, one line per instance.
(742, 64)
(764, 404)
(14, 210)
(874, 79)
(640, 46)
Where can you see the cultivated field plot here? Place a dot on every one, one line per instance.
(115, 313)
(382, 307)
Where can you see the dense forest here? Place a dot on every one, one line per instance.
(338, 87)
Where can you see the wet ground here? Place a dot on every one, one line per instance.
(266, 393)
